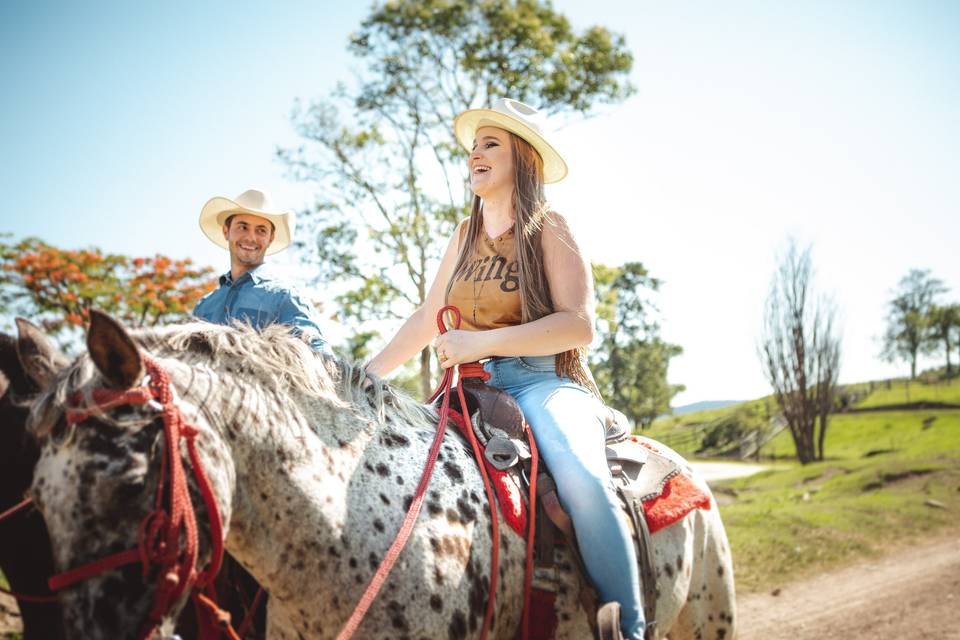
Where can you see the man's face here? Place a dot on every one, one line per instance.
(248, 237)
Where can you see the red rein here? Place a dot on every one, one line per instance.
(159, 538)
(466, 370)
(9, 513)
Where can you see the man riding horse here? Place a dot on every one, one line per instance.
(250, 227)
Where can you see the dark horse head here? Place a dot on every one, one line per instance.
(24, 544)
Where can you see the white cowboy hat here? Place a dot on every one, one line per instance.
(254, 202)
(516, 117)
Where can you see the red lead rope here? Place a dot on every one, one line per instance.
(25, 597)
(376, 583)
(160, 533)
(466, 370)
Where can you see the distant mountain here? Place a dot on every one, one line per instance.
(703, 406)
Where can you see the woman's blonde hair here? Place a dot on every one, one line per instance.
(531, 208)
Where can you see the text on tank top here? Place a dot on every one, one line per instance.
(487, 291)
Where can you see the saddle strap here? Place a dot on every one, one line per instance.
(546, 540)
(648, 577)
(547, 494)
(558, 516)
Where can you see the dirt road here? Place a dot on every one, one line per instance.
(913, 593)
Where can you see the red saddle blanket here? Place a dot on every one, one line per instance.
(679, 497)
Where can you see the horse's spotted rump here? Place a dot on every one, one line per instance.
(453, 471)
(458, 626)
(467, 512)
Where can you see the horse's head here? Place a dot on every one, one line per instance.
(19, 451)
(104, 484)
(25, 558)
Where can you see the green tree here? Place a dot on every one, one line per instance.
(800, 351)
(944, 325)
(631, 360)
(390, 178)
(908, 318)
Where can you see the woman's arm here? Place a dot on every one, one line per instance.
(421, 327)
(571, 324)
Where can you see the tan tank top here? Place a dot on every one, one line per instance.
(487, 292)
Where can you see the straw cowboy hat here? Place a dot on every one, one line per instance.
(516, 117)
(254, 202)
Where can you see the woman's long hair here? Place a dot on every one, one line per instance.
(531, 208)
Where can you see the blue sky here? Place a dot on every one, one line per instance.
(838, 123)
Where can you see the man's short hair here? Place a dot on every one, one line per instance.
(226, 223)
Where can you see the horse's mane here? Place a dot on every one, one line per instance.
(274, 358)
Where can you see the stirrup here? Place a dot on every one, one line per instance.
(608, 622)
(650, 632)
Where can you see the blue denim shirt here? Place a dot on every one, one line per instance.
(260, 299)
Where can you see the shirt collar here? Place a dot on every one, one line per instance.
(259, 274)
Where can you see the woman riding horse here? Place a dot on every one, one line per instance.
(515, 271)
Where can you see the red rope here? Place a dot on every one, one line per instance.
(251, 613)
(370, 593)
(350, 627)
(25, 597)
(494, 520)
(29, 598)
(476, 370)
(23, 504)
(531, 533)
(160, 533)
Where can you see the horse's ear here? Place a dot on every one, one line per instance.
(113, 351)
(38, 357)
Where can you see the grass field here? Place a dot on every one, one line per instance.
(888, 478)
(904, 391)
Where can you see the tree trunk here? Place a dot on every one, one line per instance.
(947, 351)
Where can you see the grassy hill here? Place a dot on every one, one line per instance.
(890, 477)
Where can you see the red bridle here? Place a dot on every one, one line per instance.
(167, 537)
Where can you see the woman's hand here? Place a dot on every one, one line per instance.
(457, 346)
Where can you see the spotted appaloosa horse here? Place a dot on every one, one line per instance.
(25, 556)
(312, 470)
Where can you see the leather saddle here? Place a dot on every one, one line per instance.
(638, 474)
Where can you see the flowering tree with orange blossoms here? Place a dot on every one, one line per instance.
(160, 289)
(56, 288)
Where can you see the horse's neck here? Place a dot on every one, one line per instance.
(291, 479)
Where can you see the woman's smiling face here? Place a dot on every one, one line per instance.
(491, 162)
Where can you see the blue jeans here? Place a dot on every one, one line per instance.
(568, 427)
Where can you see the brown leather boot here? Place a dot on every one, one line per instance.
(608, 622)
